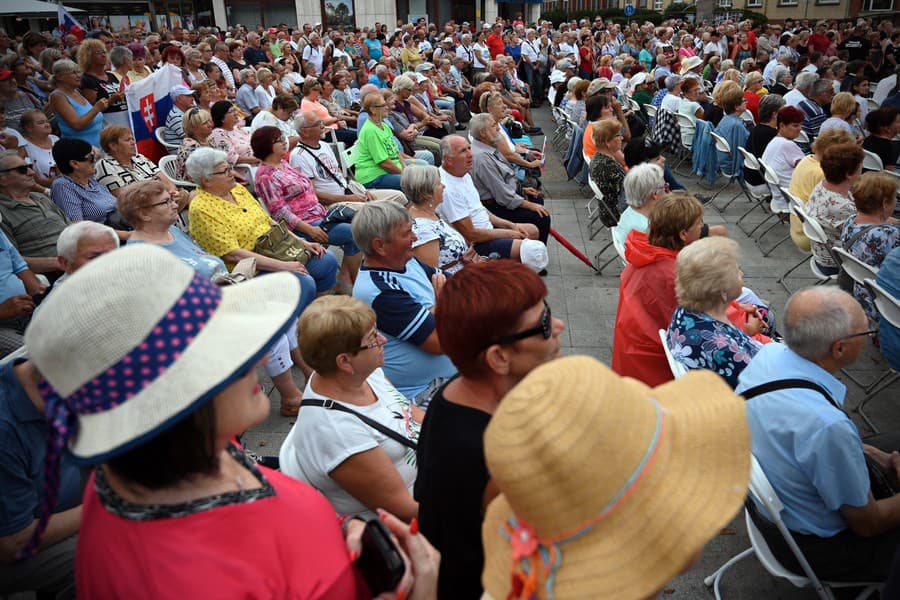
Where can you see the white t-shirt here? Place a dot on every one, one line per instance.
(482, 56)
(794, 98)
(671, 103)
(313, 54)
(264, 118)
(41, 159)
(781, 155)
(322, 439)
(322, 181)
(461, 200)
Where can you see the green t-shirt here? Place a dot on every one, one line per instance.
(375, 144)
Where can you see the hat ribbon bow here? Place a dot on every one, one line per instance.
(530, 552)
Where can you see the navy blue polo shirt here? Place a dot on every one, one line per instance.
(23, 443)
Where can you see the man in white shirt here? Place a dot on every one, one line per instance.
(802, 86)
(463, 209)
(313, 53)
(220, 59)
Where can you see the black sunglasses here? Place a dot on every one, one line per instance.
(21, 169)
(545, 328)
(89, 158)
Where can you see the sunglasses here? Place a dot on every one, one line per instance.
(21, 169)
(89, 158)
(545, 328)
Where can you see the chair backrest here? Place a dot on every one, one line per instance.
(769, 174)
(888, 306)
(595, 188)
(620, 248)
(748, 117)
(811, 227)
(722, 144)
(871, 161)
(161, 138)
(676, 367)
(802, 138)
(872, 104)
(855, 268)
(348, 159)
(167, 166)
(634, 105)
(750, 161)
(684, 121)
(650, 110)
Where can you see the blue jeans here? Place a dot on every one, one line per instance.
(338, 235)
(323, 271)
(669, 178)
(388, 181)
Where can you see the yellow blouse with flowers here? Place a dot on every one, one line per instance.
(220, 226)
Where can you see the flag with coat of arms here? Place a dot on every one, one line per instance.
(68, 24)
(149, 104)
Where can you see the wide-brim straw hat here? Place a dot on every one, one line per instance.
(621, 485)
(153, 340)
(690, 63)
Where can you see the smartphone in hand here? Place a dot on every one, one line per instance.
(380, 562)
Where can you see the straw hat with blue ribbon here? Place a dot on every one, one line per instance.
(135, 341)
(609, 488)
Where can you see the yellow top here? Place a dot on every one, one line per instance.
(806, 175)
(220, 227)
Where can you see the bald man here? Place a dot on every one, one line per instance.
(811, 451)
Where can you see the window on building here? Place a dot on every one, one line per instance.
(724, 3)
(787, 2)
(881, 5)
(642, 4)
(657, 5)
(757, 3)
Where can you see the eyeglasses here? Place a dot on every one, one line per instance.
(170, 201)
(316, 124)
(227, 171)
(376, 340)
(21, 169)
(545, 328)
(871, 333)
(89, 158)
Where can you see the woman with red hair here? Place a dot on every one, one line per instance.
(494, 323)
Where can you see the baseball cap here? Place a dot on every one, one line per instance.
(5, 74)
(425, 66)
(180, 90)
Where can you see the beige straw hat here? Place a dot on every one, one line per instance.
(609, 488)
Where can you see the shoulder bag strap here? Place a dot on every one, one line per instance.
(785, 384)
(852, 239)
(332, 405)
(326, 169)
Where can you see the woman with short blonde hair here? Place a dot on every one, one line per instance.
(708, 280)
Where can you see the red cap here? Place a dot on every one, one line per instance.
(5, 74)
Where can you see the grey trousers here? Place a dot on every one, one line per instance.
(50, 573)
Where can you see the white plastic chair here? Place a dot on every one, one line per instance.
(650, 110)
(889, 308)
(348, 158)
(782, 215)
(762, 490)
(160, 137)
(872, 104)
(620, 248)
(799, 210)
(724, 147)
(167, 165)
(634, 105)
(802, 138)
(871, 161)
(855, 268)
(751, 163)
(597, 209)
(747, 116)
(676, 367)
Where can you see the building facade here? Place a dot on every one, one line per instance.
(775, 10)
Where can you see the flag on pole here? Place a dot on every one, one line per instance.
(68, 24)
(149, 104)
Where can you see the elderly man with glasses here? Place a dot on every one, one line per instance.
(30, 220)
(845, 522)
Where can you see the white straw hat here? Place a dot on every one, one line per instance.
(136, 340)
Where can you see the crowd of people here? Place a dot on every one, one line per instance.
(366, 206)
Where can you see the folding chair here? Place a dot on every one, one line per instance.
(723, 146)
(813, 227)
(855, 268)
(167, 165)
(872, 104)
(620, 248)
(747, 117)
(634, 105)
(676, 367)
(889, 308)
(757, 200)
(650, 110)
(781, 215)
(684, 121)
(161, 138)
(802, 139)
(347, 159)
(871, 161)
(596, 210)
(762, 490)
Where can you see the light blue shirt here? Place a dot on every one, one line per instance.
(630, 219)
(186, 249)
(810, 451)
(11, 263)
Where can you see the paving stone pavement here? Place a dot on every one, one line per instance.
(587, 303)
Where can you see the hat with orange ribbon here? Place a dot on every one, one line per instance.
(608, 488)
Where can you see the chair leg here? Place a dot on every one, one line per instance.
(756, 205)
(784, 275)
(720, 190)
(778, 243)
(599, 254)
(727, 204)
(714, 579)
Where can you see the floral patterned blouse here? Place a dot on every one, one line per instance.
(451, 242)
(699, 341)
(871, 248)
(830, 209)
(235, 141)
(288, 194)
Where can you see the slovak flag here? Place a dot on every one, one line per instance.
(149, 105)
(68, 24)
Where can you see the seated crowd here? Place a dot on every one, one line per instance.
(323, 212)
